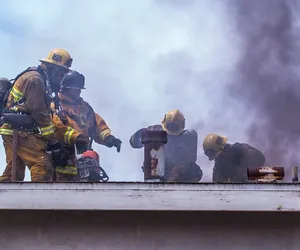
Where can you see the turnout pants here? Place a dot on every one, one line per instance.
(31, 152)
(67, 173)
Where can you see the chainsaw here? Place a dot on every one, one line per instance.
(88, 166)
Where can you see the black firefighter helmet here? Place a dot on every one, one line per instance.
(73, 80)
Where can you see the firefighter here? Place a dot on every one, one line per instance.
(68, 137)
(80, 116)
(231, 160)
(29, 102)
(180, 150)
(5, 85)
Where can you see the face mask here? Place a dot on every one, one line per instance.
(56, 77)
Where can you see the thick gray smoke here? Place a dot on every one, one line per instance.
(140, 59)
(268, 80)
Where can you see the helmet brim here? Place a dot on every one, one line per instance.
(55, 64)
(70, 87)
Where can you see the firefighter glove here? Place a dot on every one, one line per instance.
(112, 141)
(59, 155)
(82, 143)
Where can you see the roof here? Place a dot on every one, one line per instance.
(150, 196)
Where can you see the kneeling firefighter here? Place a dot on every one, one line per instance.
(231, 160)
(180, 150)
(77, 114)
(27, 130)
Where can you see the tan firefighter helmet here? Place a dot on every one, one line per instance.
(213, 145)
(58, 57)
(173, 122)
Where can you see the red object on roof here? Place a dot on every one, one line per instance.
(92, 154)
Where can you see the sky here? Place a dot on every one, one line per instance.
(140, 59)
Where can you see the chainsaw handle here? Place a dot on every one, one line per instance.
(78, 156)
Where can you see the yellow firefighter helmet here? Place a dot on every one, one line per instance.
(213, 145)
(173, 122)
(59, 57)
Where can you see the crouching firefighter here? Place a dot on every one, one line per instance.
(78, 115)
(26, 128)
(69, 138)
(231, 160)
(180, 150)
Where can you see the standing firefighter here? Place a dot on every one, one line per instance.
(80, 117)
(180, 150)
(231, 160)
(27, 130)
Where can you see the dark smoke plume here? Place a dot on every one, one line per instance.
(268, 80)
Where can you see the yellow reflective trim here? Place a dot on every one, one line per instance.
(68, 135)
(17, 94)
(71, 170)
(48, 130)
(48, 133)
(5, 131)
(104, 134)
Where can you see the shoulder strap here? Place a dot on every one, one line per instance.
(13, 81)
(32, 68)
(62, 114)
(19, 75)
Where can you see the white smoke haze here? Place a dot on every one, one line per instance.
(140, 59)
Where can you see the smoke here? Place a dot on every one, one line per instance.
(140, 59)
(230, 66)
(267, 79)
